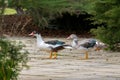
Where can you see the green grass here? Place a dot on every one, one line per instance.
(9, 11)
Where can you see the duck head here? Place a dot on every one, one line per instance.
(34, 33)
(38, 36)
(72, 36)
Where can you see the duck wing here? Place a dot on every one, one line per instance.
(92, 42)
(88, 43)
(85, 45)
(60, 47)
(55, 42)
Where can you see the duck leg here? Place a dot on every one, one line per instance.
(55, 55)
(97, 49)
(51, 55)
(86, 55)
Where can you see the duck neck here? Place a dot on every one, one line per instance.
(75, 43)
(39, 39)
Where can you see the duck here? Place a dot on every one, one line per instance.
(83, 45)
(52, 46)
(100, 46)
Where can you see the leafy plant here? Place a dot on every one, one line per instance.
(107, 11)
(12, 59)
(43, 10)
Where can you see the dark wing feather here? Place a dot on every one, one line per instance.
(92, 42)
(86, 45)
(54, 42)
(56, 49)
(89, 44)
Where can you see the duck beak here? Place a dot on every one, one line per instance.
(31, 34)
(69, 37)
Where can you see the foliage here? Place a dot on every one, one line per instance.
(2, 6)
(107, 11)
(9, 11)
(76, 22)
(12, 59)
(43, 10)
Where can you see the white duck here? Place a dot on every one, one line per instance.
(83, 45)
(51, 46)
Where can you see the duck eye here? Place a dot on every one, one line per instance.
(34, 32)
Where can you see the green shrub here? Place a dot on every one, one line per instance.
(107, 12)
(12, 59)
(110, 36)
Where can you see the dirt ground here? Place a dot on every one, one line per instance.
(101, 65)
